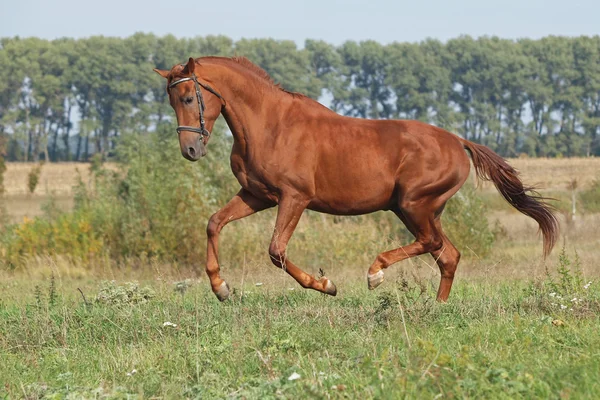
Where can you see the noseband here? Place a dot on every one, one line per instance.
(202, 130)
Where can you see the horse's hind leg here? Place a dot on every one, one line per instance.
(447, 259)
(288, 214)
(421, 222)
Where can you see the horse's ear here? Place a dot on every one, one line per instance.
(191, 65)
(162, 72)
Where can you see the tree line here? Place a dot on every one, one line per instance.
(67, 99)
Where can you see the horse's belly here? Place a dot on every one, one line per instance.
(354, 201)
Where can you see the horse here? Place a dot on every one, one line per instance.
(292, 152)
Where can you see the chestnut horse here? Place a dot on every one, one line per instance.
(293, 152)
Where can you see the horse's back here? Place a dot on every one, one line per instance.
(364, 165)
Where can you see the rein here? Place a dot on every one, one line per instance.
(202, 130)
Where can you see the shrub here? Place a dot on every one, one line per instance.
(590, 198)
(33, 177)
(156, 205)
(2, 162)
(123, 295)
(465, 222)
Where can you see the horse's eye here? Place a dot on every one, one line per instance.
(188, 100)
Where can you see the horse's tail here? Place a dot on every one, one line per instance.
(490, 166)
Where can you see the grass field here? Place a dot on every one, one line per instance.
(516, 326)
(492, 340)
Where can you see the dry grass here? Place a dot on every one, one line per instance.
(21, 206)
(56, 178)
(552, 174)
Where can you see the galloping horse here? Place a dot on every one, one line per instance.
(293, 152)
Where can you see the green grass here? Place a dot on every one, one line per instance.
(492, 340)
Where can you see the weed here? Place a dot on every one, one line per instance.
(182, 286)
(566, 290)
(37, 293)
(52, 295)
(129, 293)
(33, 177)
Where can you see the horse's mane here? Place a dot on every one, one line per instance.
(256, 70)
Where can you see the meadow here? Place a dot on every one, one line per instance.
(515, 326)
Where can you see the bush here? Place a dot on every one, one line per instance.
(2, 162)
(33, 178)
(156, 205)
(465, 222)
(590, 198)
(127, 294)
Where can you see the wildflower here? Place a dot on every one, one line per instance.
(132, 373)
(294, 376)
(587, 285)
(562, 307)
(553, 294)
(170, 324)
(574, 300)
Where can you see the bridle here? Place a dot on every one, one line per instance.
(202, 130)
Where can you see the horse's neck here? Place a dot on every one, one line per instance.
(247, 111)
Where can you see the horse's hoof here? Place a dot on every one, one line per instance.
(328, 286)
(222, 292)
(375, 279)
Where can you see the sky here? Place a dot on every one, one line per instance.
(334, 21)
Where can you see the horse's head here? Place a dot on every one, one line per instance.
(196, 106)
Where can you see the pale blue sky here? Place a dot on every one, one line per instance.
(331, 20)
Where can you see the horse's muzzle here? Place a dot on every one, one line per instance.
(194, 152)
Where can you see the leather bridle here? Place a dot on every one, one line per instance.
(202, 130)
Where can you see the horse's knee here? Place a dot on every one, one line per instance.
(432, 244)
(212, 229)
(456, 257)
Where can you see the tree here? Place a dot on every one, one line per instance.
(541, 97)
(365, 92)
(421, 84)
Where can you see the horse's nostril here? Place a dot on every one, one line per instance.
(191, 151)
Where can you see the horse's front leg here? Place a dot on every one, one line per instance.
(241, 205)
(289, 213)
